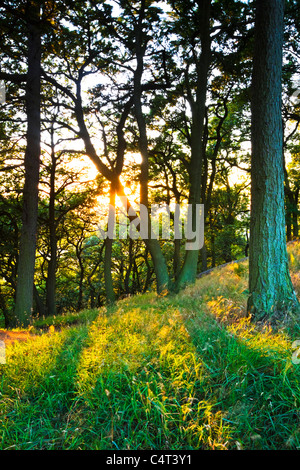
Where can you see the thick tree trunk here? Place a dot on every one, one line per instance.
(270, 286)
(26, 264)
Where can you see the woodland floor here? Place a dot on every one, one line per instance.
(188, 371)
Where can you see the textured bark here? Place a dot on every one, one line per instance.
(26, 263)
(270, 286)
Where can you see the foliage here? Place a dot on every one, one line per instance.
(99, 64)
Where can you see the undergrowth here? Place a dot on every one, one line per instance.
(185, 371)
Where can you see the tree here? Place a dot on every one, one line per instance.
(24, 292)
(292, 187)
(200, 21)
(270, 287)
(66, 191)
(30, 19)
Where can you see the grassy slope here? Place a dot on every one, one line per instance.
(182, 372)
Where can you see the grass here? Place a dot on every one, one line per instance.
(187, 371)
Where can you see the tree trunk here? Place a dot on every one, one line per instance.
(27, 249)
(109, 290)
(5, 311)
(151, 243)
(127, 287)
(288, 222)
(176, 260)
(204, 258)
(149, 272)
(295, 214)
(270, 286)
(39, 305)
(189, 269)
(162, 276)
(51, 274)
(81, 278)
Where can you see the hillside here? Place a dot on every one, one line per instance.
(188, 371)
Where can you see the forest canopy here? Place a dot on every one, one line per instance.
(117, 104)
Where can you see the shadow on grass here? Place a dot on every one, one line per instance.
(252, 380)
(152, 374)
(38, 390)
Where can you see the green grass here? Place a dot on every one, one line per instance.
(67, 319)
(186, 371)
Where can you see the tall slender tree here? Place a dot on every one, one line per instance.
(270, 286)
(201, 17)
(24, 292)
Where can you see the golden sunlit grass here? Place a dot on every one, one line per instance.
(148, 372)
(185, 371)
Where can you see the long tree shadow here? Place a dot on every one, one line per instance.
(138, 381)
(38, 390)
(153, 375)
(253, 380)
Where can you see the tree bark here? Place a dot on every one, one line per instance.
(27, 249)
(270, 287)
